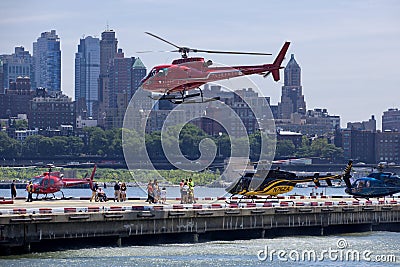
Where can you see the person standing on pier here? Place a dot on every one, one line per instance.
(150, 197)
(13, 190)
(117, 188)
(94, 190)
(29, 188)
(163, 195)
(156, 191)
(181, 184)
(191, 199)
(185, 190)
(123, 192)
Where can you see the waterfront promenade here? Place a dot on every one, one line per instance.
(47, 224)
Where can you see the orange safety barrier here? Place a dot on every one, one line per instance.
(284, 204)
(67, 210)
(45, 210)
(19, 211)
(197, 206)
(158, 207)
(6, 202)
(215, 206)
(250, 205)
(93, 209)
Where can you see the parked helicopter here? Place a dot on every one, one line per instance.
(273, 182)
(376, 184)
(189, 73)
(52, 182)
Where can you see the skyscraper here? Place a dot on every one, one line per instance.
(16, 65)
(292, 99)
(119, 77)
(138, 73)
(108, 50)
(124, 76)
(47, 61)
(87, 71)
(1, 77)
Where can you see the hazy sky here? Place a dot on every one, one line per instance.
(348, 50)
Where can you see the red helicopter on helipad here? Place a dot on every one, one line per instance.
(174, 80)
(51, 182)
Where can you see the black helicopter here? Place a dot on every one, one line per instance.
(273, 182)
(376, 184)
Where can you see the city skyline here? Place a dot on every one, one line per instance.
(346, 49)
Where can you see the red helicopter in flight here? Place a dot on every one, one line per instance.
(52, 182)
(187, 73)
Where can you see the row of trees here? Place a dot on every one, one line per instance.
(110, 144)
(111, 175)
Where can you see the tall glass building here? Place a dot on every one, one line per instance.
(47, 61)
(87, 71)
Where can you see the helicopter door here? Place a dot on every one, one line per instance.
(45, 183)
(51, 183)
(162, 75)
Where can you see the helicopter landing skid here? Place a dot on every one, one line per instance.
(230, 201)
(181, 99)
(203, 100)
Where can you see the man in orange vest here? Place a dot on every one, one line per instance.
(29, 188)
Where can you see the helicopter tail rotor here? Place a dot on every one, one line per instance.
(278, 61)
(346, 176)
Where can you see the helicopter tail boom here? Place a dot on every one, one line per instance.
(92, 176)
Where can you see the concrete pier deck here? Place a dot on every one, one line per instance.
(47, 224)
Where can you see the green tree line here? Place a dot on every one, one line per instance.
(110, 144)
(111, 175)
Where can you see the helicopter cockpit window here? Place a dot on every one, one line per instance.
(152, 73)
(37, 180)
(162, 72)
(360, 184)
(51, 182)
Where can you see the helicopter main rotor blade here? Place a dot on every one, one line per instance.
(229, 52)
(159, 38)
(186, 50)
(152, 51)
